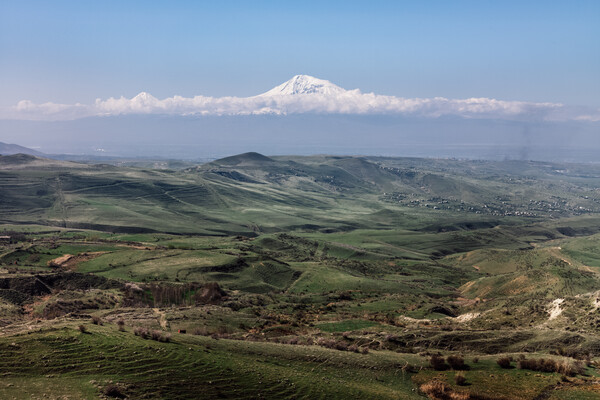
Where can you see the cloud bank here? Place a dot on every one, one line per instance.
(304, 94)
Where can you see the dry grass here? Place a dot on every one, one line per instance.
(437, 390)
(565, 367)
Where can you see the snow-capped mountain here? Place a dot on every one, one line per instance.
(305, 84)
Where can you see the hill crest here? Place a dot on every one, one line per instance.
(250, 158)
(10, 149)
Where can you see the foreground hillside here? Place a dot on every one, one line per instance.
(300, 277)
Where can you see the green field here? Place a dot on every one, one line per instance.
(298, 277)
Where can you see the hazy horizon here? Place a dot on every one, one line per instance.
(197, 80)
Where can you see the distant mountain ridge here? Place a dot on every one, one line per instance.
(9, 149)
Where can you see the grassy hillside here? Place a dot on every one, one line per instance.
(299, 277)
(250, 194)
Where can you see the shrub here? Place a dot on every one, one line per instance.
(141, 332)
(96, 320)
(527, 364)
(121, 325)
(364, 350)
(112, 390)
(328, 343)
(460, 379)
(540, 365)
(571, 369)
(457, 363)
(342, 346)
(82, 329)
(293, 340)
(155, 335)
(475, 360)
(437, 363)
(504, 362)
(548, 365)
(166, 338)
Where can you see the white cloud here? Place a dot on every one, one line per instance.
(304, 94)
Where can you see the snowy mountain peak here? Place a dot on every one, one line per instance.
(304, 84)
(144, 96)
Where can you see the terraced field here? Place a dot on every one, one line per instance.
(191, 367)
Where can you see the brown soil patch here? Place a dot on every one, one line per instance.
(28, 308)
(59, 261)
(70, 262)
(464, 302)
(136, 246)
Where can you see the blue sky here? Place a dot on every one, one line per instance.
(77, 51)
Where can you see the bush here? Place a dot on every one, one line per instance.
(457, 363)
(475, 360)
(504, 362)
(112, 390)
(121, 325)
(155, 335)
(166, 338)
(141, 332)
(82, 329)
(460, 379)
(437, 363)
(159, 336)
(96, 320)
(548, 365)
(342, 346)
